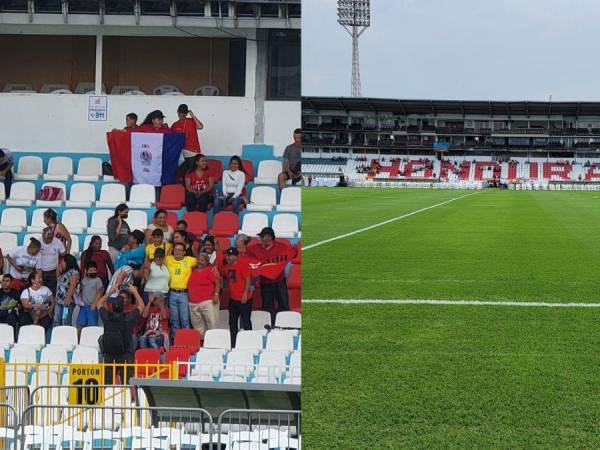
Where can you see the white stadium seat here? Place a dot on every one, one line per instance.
(21, 194)
(29, 168)
(262, 198)
(271, 363)
(268, 171)
(137, 220)
(253, 223)
(218, 339)
(7, 336)
(111, 196)
(259, 319)
(75, 246)
(103, 237)
(88, 88)
(142, 196)
(37, 221)
(285, 225)
(18, 87)
(23, 354)
(165, 89)
(53, 203)
(8, 241)
(51, 87)
(288, 319)
(88, 169)
(84, 355)
(54, 355)
(64, 336)
(13, 220)
(207, 91)
(209, 362)
(33, 335)
(74, 220)
(89, 337)
(249, 340)
(280, 340)
(121, 89)
(290, 200)
(2, 193)
(60, 168)
(99, 219)
(240, 362)
(82, 195)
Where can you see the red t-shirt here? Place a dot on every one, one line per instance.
(236, 277)
(279, 254)
(187, 126)
(198, 183)
(149, 128)
(155, 323)
(201, 285)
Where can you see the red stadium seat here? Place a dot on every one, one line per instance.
(172, 196)
(197, 222)
(172, 219)
(294, 284)
(188, 338)
(249, 169)
(215, 169)
(177, 354)
(298, 258)
(225, 224)
(147, 356)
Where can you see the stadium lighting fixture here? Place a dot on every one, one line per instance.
(355, 17)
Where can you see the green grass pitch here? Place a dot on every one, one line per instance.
(460, 377)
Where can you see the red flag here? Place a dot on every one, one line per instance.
(119, 146)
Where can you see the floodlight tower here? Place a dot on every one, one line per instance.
(355, 17)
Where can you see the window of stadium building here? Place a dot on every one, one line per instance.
(217, 68)
(284, 64)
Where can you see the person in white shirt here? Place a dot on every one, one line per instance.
(233, 182)
(157, 276)
(38, 304)
(52, 250)
(24, 260)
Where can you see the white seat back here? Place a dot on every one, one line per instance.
(22, 190)
(89, 337)
(83, 192)
(220, 339)
(285, 225)
(60, 165)
(30, 165)
(253, 223)
(288, 319)
(89, 167)
(74, 220)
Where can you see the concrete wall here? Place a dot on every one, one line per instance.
(59, 123)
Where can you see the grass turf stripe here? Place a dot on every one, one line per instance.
(448, 302)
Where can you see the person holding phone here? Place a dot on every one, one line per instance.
(188, 123)
(23, 260)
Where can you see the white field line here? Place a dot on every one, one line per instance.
(448, 302)
(385, 222)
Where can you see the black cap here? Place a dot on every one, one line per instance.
(267, 231)
(232, 251)
(157, 114)
(183, 108)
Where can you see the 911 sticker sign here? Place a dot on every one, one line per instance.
(97, 108)
(85, 380)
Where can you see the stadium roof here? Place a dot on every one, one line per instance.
(422, 107)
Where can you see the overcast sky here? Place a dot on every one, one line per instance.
(458, 49)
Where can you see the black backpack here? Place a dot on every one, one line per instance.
(115, 342)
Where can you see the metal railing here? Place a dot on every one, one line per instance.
(237, 428)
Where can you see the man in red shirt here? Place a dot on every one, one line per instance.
(273, 255)
(237, 274)
(204, 285)
(189, 126)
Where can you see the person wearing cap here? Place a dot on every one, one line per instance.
(277, 254)
(133, 252)
(118, 343)
(292, 161)
(204, 286)
(189, 126)
(180, 268)
(22, 261)
(237, 274)
(199, 186)
(154, 123)
(156, 326)
(6, 174)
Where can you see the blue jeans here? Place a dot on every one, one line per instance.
(58, 315)
(151, 341)
(221, 202)
(180, 311)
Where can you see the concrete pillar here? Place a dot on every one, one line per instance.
(98, 88)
